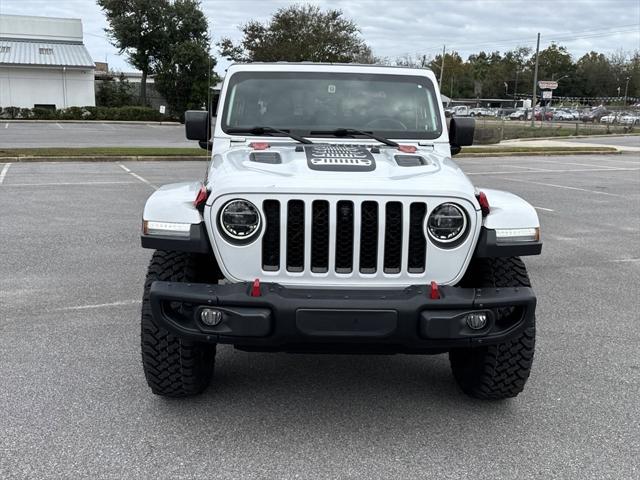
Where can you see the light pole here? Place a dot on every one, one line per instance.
(626, 91)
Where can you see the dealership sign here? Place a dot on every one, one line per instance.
(547, 85)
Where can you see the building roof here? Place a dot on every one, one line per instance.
(44, 54)
(46, 29)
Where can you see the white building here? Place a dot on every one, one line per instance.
(44, 63)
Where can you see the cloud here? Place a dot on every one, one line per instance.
(399, 27)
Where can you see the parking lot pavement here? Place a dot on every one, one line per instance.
(618, 141)
(91, 134)
(74, 403)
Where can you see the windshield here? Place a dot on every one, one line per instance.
(310, 104)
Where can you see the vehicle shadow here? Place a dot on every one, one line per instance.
(312, 391)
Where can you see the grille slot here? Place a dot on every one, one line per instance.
(369, 238)
(271, 238)
(393, 238)
(417, 240)
(295, 236)
(344, 237)
(320, 237)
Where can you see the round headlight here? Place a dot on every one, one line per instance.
(240, 220)
(447, 223)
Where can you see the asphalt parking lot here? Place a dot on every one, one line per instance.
(91, 134)
(74, 403)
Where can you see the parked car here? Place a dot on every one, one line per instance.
(630, 119)
(481, 112)
(519, 115)
(548, 115)
(313, 231)
(563, 115)
(610, 118)
(594, 115)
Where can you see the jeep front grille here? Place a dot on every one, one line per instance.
(345, 237)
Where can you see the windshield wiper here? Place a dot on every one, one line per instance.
(345, 132)
(268, 130)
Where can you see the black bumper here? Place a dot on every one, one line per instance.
(292, 319)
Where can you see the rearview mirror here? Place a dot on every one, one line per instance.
(197, 125)
(461, 132)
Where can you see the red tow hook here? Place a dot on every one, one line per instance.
(435, 292)
(255, 288)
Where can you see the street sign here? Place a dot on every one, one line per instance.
(547, 94)
(547, 85)
(163, 109)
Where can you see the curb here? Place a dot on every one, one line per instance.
(569, 137)
(105, 158)
(89, 122)
(538, 154)
(191, 158)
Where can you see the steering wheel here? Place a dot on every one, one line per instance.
(386, 120)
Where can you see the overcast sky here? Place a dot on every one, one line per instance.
(394, 28)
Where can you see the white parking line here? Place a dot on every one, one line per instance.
(64, 184)
(566, 187)
(138, 177)
(59, 126)
(99, 305)
(4, 171)
(544, 209)
(6, 125)
(625, 260)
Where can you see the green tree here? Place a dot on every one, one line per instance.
(555, 63)
(137, 28)
(113, 92)
(299, 33)
(184, 68)
(594, 75)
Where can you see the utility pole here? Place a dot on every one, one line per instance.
(535, 84)
(444, 49)
(626, 91)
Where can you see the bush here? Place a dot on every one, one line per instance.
(131, 114)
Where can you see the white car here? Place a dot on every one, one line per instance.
(563, 115)
(629, 119)
(332, 219)
(519, 115)
(611, 118)
(482, 112)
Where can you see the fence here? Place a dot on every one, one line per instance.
(492, 130)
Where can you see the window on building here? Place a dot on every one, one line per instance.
(46, 51)
(5, 49)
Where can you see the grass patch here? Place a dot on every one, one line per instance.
(488, 151)
(102, 152)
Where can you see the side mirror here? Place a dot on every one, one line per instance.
(461, 132)
(197, 125)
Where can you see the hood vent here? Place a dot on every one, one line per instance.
(272, 158)
(410, 161)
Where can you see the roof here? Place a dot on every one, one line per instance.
(45, 29)
(40, 53)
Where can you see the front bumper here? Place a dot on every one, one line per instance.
(292, 319)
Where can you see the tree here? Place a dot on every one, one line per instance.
(137, 28)
(113, 92)
(184, 68)
(299, 33)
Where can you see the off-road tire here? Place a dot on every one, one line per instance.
(497, 371)
(173, 367)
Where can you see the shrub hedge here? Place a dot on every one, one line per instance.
(144, 114)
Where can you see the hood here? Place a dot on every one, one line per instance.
(338, 169)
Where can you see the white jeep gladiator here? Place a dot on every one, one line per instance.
(333, 219)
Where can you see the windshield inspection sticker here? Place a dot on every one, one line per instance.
(340, 158)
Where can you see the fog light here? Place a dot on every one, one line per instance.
(210, 317)
(476, 321)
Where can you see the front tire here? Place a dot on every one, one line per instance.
(499, 371)
(173, 367)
